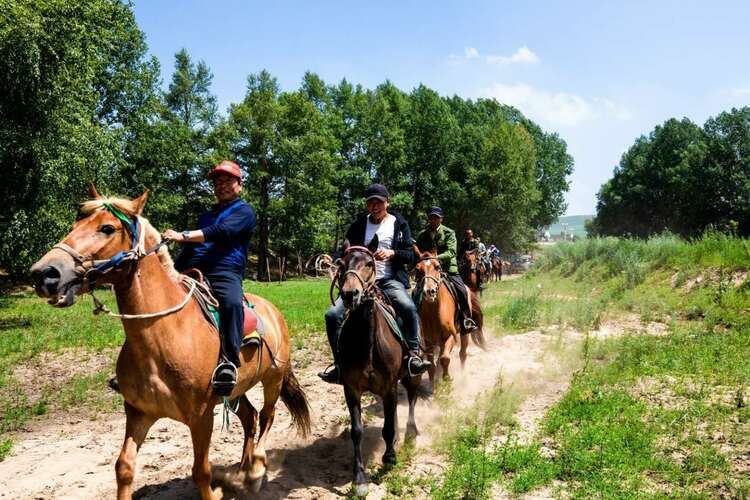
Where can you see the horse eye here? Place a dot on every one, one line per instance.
(107, 229)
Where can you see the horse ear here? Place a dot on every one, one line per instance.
(93, 193)
(373, 246)
(345, 246)
(140, 202)
(415, 248)
(433, 251)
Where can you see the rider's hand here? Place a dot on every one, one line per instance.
(383, 254)
(171, 234)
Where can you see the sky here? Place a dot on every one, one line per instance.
(600, 74)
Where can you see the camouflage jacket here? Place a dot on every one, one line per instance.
(445, 244)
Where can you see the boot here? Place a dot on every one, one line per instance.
(415, 365)
(331, 374)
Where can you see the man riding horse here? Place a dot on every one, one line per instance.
(443, 239)
(470, 244)
(393, 254)
(218, 249)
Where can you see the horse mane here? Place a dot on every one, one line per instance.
(127, 207)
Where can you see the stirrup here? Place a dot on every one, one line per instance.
(224, 385)
(470, 325)
(425, 365)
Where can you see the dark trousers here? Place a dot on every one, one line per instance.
(402, 303)
(461, 295)
(227, 288)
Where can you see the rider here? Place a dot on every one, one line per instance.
(468, 244)
(443, 239)
(484, 256)
(394, 252)
(218, 248)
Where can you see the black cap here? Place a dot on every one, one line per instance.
(435, 211)
(377, 191)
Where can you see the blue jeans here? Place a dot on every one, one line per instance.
(402, 303)
(227, 288)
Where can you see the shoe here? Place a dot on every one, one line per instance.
(415, 365)
(470, 325)
(114, 384)
(224, 378)
(330, 375)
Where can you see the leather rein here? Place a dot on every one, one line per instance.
(338, 277)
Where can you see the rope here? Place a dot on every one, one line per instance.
(226, 421)
(102, 308)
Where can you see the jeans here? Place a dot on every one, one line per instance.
(402, 303)
(227, 288)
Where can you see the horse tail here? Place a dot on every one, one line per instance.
(296, 402)
(477, 335)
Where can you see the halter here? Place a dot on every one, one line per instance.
(338, 277)
(137, 252)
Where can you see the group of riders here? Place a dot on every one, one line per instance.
(219, 246)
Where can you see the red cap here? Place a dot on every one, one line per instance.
(226, 167)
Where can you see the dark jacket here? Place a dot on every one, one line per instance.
(402, 243)
(227, 231)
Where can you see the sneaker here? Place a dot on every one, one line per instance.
(224, 378)
(330, 375)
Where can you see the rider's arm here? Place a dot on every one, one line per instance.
(239, 222)
(450, 250)
(404, 254)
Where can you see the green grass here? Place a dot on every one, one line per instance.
(29, 327)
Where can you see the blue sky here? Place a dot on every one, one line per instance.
(598, 73)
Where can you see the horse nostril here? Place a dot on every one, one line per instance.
(46, 279)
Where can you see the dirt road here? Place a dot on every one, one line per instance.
(74, 458)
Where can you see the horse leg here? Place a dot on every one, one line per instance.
(412, 385)
(200, 431)
(271, 392)
(432, 368)
(136, 428)
(390, 424)
(355, 414)
(248, 415)
(462, 352)
(445, 356)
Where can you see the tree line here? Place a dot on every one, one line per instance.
(681, 178)
(81, 100)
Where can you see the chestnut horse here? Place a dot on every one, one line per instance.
(468, 269)
(170, 350)
(370, 357)
(497, 268)
(437, 314)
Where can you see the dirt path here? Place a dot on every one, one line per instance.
(75, 458)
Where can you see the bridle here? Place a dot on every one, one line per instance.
(438, 281)
(136, 253)
(338, 277)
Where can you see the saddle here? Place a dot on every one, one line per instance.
(253, 329)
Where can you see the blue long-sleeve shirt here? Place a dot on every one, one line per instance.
(227, 231)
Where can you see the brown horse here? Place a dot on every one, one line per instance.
(370, 357)
(437, 314)
(170, 349)
(468, 269)
(497, 268)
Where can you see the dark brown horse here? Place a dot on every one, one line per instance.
(497, 268)
(370, 357)
(170, 349)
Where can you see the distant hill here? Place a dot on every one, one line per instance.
(574, 225)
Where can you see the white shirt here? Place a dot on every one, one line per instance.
(384, 230)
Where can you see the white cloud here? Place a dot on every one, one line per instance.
(471, 53)
(523, 55)
(555, 108)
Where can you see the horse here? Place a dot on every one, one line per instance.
(468, 269)
(438, 314)
(370, 356)
(170, 350)
(497, 268)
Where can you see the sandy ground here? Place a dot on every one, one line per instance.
(68, 457)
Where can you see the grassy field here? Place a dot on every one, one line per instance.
(646, 415)
(39, 346)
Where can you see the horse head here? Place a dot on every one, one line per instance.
(356, 274)
(469, 260)
(106, 228)
(428, 272)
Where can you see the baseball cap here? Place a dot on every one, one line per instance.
(377, 191)
(435, 211)
(226, 167)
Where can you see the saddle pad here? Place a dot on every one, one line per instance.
(391, 320)
(253, 328)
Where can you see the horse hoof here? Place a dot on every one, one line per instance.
(361, 490)
(255, 484)
(389, 458)
(411, 434)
